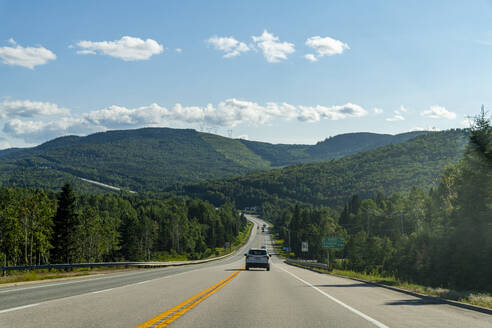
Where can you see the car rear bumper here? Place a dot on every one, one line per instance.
(257, 265)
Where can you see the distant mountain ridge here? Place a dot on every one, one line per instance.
(388, 169)
(151, 159)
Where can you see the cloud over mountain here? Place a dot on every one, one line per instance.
(438, 112)
(228, 113)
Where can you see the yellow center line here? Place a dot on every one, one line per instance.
(165, 318)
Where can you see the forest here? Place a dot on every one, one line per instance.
(438, 237)
(152, 159)
(391, 168)
(39, 227)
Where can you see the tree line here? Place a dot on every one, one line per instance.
(440, 237)
(40, 227)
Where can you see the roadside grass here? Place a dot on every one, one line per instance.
(45, 274)
(470, 297)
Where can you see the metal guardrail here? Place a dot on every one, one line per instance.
(70, 265)
(112, 264)
(308, 264)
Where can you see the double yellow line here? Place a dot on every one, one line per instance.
(165, 318)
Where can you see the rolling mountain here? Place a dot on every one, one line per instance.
(391, 168)
(152, 159)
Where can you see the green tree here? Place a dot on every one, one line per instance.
(65, 222)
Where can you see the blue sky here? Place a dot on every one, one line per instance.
(277, 71)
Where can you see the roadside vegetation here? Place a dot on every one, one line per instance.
(437, 241)
(45, 274)
(40, 227)
(474, 298)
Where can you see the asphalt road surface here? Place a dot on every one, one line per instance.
(221, 294)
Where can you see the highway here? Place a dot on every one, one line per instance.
(221, 294)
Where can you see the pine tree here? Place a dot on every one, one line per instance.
(65, 222)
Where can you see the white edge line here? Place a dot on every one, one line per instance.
(82, 280)
(99, 291)
(365, 316)
(102, 291)
(18, 308)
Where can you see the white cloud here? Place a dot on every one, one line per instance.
(228, 113)
(243, 136)
(311, 57)
(127, 48)
(27, 108)
(26, 57)
(377, 111)
(325, 46)
(273, 50)
(397, 117)
(438, 112)
(179, 50)
(230, 46)
(38, 131)
(317, 113)
(429, 128)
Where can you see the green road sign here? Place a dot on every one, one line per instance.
(333, 242)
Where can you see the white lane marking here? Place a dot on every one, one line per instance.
(365, 316)
(57, 284)
(93, 279)
(142, 282)
(18, 308)
(102, 291)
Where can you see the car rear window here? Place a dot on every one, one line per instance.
(257, 252)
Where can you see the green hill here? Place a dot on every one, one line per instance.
(391, 168)
(152, 159)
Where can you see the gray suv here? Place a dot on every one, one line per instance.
(257, 258)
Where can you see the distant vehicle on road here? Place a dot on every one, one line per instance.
(257, 258)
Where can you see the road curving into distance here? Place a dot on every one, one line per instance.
(221, 294)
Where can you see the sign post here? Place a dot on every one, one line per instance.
(332, 242)
(304, 246)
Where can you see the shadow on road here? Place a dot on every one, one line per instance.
(420, 301)
(241, 269)
(349, 285)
